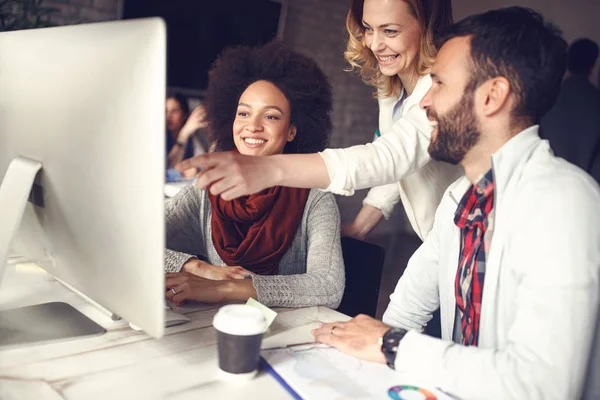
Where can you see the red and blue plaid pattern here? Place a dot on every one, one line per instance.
(473, 217)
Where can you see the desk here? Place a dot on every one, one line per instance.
(125, 364)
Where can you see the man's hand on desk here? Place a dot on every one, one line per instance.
(209, 271)
(359, 337)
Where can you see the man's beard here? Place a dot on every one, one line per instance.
(457, 132)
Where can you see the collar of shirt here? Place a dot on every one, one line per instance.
(397, 109)
(505, 162)
(475, 199)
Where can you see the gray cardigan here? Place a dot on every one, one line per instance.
(311, 272)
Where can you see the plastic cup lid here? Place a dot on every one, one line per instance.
(240, 319)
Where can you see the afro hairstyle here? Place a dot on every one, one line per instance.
(298, 77)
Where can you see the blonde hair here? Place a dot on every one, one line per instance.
(432, 15)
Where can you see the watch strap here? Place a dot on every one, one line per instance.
(389, 345)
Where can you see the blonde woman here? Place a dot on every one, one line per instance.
(392, 45)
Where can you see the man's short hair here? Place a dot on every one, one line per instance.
(583, 54)
(516, 43)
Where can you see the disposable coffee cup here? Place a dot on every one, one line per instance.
(240, 330)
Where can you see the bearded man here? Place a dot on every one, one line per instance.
(513, 259)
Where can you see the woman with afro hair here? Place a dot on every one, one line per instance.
(280, 246)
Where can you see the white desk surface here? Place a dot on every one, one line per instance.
(125, 364)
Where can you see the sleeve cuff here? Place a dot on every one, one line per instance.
(383, 198)
(335, 161)
(419, 354)
(174, 260)
(385, 207)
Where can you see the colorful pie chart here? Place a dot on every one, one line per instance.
(405, 392)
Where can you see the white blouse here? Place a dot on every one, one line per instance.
(398, 160)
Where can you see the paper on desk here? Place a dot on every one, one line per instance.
(266, 311)
(292, 337)
(321, 372)
(29, 267)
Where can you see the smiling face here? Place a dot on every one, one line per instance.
(450, 103)
(262, 123)
(393, 34)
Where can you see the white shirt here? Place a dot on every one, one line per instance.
(541, 289)
(400, 158)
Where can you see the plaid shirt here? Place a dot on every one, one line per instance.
(474, 217)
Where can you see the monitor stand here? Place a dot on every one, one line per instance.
(41, 322)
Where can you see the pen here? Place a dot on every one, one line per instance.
(289, 346)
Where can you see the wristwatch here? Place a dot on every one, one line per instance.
(389, 345)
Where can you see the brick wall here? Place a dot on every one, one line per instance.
(317, 28)
(82, 11)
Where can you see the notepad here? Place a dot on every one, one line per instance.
(266, 311)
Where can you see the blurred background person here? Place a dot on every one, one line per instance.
(573, 125)
(182, 127)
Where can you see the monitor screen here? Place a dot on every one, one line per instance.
(86, 102)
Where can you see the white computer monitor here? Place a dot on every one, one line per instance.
(84, 105)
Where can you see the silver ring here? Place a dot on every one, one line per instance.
(332, 329)
(173, 290)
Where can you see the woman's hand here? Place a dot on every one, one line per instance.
(213, 272)
(182, 286)
(195, 121)
(367, 218)
(233, 175)
(189, 173)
